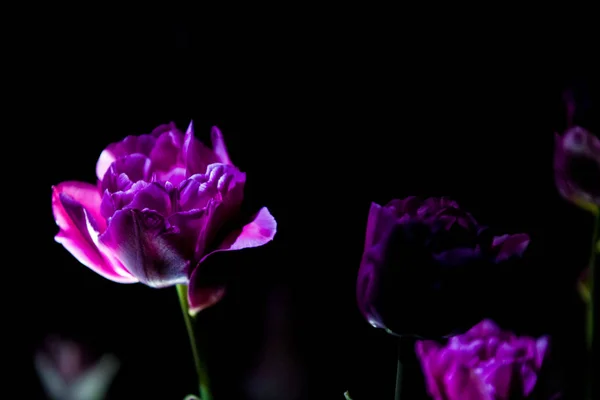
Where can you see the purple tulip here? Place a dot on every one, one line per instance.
(424, 263)
(577, 167)
(164, 203)
(485, 363)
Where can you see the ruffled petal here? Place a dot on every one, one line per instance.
(166, 152)
(142, 144)
(126, 171)
(153, 196)
(146, 244)
(76, 211)
(113, 202)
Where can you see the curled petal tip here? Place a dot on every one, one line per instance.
(219, 145)
(204, 298)
(215, 131)
(190, 128)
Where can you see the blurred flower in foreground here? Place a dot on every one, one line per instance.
(427, 266)
(278, 375)
(577, 168)
(485, 363)
(163, 204)
(68, 372)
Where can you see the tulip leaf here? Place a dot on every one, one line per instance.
(584, 291)
(586, 205)
(347, 396)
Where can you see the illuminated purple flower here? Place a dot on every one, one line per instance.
(424, 266)
(577, 167)
(485, 363)
(163, 204)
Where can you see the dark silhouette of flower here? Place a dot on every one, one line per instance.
(426, 265)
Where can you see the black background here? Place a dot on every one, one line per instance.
(325, 114)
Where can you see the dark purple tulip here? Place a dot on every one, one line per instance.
(425, 266)
(164, 203)
(485, 363)
(577, 167)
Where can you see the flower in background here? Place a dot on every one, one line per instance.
(426, 266)
(278, 376)
(68, 372)
(577, 168)
(163, 204)
(485, 363)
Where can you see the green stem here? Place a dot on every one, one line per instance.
(592, 277)
(204, 386)
(398, 395)
(592, 318)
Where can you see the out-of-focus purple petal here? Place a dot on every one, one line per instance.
(146, 245)
(510, 245)
(142, 144)
(500, 375)
(409, 205)
(75, 206)
(529, 379)
(577, 167)
(541, 348)
(485, 329)
(461, 383)
(196, 155)
(504, 364)
(428, 354)
(159, 130)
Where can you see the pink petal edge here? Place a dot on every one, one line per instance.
(79, 240)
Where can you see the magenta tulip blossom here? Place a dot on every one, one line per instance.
(485, 363)
(577, 167)
(163, 204)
